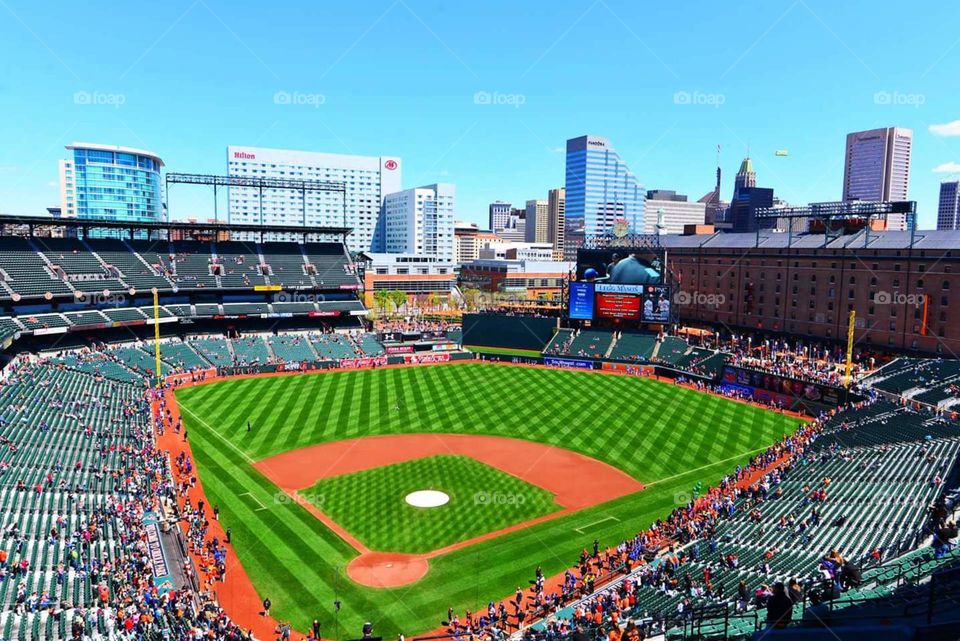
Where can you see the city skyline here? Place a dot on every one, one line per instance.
(495, 121)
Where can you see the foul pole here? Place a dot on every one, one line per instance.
(156, 332)
(850, 328)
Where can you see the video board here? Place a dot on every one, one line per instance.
(618, 301)
(581, 301)
(656, 304)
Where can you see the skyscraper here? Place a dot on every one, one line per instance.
(877, 168)
(515, 227)
(499, 213)
(603, 195)
(420, 221)
(948, 212)
(746, 177)
(556, 207)
(108, 182)
(537, 224)
(747, 198)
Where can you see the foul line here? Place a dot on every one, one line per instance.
(581, 529)
(217, 434)
(704, 467)
(259, 502)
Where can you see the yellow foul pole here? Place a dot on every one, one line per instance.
(156, 332)
(846, 376)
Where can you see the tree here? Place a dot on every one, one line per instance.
(398, 299)
(471, 296)
(381, 298)
(434, 300)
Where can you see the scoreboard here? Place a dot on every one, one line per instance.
(613, 305)
(619, 302)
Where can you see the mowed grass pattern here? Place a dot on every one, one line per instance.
(666, 436)
(371, 504)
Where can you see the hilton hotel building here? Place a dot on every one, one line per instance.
(368, 179)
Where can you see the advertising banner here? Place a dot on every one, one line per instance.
(567, 363)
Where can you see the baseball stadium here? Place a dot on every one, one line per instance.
(215, 438)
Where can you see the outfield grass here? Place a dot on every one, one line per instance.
(665, 436)
(371, 506)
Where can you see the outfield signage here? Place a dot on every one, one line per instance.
(567, 363)
(359, 363)
(629, 368)
(439, 357)
(399, 349)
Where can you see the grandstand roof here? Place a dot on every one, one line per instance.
(76, 223)
(923, 239)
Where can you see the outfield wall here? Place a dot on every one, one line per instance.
(508, 332)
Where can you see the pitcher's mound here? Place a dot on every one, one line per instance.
(386, 569)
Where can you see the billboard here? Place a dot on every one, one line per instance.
(581, 300)
(633, 266)
(783, 390)
(567, 363)
(656, 304)
(624, 306)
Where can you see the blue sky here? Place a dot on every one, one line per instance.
(186, 78)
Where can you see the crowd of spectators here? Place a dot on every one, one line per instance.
(651, 558)
(414, 325)
(796, 359)
(132, 478)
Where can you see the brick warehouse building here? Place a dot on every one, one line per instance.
(901, 293)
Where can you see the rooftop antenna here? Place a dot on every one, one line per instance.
(718, 172)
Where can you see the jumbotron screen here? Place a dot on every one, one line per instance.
(595, 301)
(618, 301)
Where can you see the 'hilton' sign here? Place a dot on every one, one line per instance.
(243, 155)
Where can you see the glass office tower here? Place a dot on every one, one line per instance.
(603, 197)
(106, 182)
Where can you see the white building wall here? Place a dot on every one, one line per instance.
(367, 180)
(676, 214)
(421, 221)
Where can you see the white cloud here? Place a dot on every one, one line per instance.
(53, 183)
(946, 129)
(948, 168)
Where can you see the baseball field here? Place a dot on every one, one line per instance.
(534, 464)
